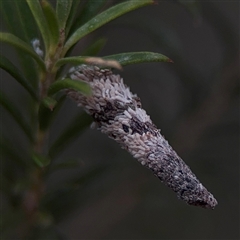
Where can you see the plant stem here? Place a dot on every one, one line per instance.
(35, 190)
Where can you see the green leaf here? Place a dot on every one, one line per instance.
(46, 115)
(73, 130)
(18, 43)
(89, 10)
(23, 26)
(138, 57)
(72, 14)
(17, 75)
(102, 19)
(40, 160)
(49, 103)
(91, 50)
(95, 47)
(63, 10)
(17, 115)
(52, 22)
(67, 83)
(88, 60)
(40, 19)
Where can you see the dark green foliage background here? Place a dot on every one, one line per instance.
(97, 190)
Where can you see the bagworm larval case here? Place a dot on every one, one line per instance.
(119, 114)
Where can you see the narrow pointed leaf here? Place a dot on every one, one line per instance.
(52, 22)
(63, 9)
(12, 24)
(18, 43)
(88, 60)
(68, 83)
(40, 160)
(71, 17)
(17, 75)
(73, 130)
(89, 10)
(138, 57)
(23, 26)
(16, 114)
(49, 103)
(95, 48)
(46, 115)
(40, 19)
(102, 19)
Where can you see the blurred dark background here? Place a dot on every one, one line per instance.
(195, 103)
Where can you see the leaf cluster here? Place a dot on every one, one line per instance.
(43, 36)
